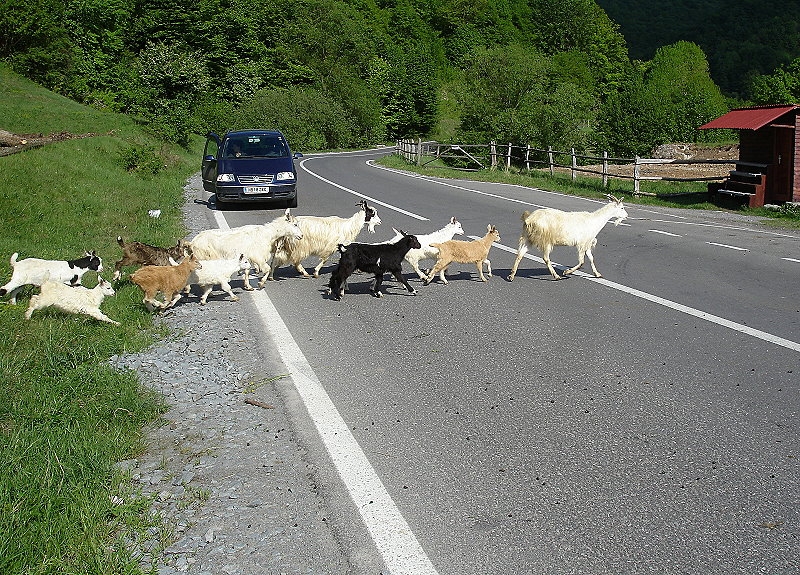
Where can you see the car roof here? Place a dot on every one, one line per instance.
(253, 133)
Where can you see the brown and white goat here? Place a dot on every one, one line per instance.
(137, 253)
(169, 281)
(35, 271)
(72, 299)
(548, 227)
(476, 251)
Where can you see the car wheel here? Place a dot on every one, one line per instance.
(218, 201)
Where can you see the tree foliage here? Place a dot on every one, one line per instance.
(347, 73)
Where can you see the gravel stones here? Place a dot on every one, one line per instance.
(228, 479)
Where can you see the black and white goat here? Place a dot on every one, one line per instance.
(35, 271)
(375, 259)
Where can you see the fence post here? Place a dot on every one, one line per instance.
(550, 158)
(574, 164)
(605, 169)
(636, 175)
(493, 154)
(508, 159)
(527, 157)
(419, 151)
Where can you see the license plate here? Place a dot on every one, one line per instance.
(257, 190)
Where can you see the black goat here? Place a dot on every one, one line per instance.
(372, 258)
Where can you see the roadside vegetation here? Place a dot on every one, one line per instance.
(691, 195)
(66, 417)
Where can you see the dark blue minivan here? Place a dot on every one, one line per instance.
(250, 166)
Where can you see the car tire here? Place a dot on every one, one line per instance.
(292, 203)
(218, 201)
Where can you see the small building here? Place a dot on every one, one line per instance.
(768, 169)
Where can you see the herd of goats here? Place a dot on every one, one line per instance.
(214, 256)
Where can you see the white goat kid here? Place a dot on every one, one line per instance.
(548, 227)
(427, 251)
(77, 299)
(35, 271)
(321, 236)
(256, 242)
(217, 272)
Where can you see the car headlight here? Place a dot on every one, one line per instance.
(226, 178)
(285, 176)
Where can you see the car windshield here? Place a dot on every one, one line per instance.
(265, 146)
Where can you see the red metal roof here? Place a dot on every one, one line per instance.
(749, 118)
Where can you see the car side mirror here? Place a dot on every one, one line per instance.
(209, 158)
(297, 155)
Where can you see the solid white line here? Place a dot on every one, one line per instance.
(727, 246)
(360, 195)
(665, 233)
(392, 535)
(762, 335)
(791, 260)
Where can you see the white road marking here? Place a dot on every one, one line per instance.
(727, 246)
(665, 233)
(360, 195)
(392, 535)
(791, 260)
(762, 335)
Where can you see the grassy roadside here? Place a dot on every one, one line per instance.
(591, 187)
(66, 417)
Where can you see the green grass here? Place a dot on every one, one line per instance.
(66, 417)
(690, 195)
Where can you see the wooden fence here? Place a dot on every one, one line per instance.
(490, 156)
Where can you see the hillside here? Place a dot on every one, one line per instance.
(740, 37)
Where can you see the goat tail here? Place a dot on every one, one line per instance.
(120, 241)
(13, 259)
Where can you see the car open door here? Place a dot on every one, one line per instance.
(209, 167)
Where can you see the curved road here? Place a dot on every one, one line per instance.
(646, 422)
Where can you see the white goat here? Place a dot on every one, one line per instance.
(427, 251)
(217, 272)
(476, 251)
(256, 242)
(548, 227)
(35, 271)
(77, 299)
(321, 236)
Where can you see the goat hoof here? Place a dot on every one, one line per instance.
(510, 278)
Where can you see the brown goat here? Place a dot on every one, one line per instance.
(167, 280)
(476, 251)
(137, 253)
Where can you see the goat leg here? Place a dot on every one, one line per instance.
(378, 281)
(404, 281)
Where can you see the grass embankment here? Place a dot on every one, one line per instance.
(690, 195)
(66, 417)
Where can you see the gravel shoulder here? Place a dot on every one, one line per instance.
(227, 472)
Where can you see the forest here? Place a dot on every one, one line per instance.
(349, 73)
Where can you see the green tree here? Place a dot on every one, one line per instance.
(780, 87)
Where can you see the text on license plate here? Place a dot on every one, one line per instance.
(257, 190)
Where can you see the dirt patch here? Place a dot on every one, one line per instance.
(681, 152)
(11, 143)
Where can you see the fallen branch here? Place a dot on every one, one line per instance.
(259, 403)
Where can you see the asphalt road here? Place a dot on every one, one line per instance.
(642, 423)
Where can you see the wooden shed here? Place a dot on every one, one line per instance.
(768, 169)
